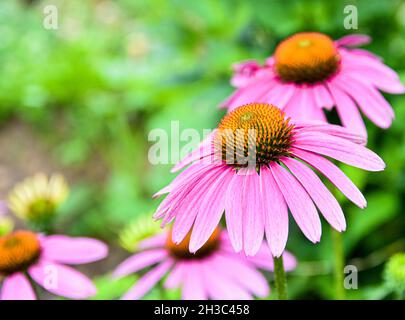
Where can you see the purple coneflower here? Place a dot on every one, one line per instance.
(310, 72)
(26, 256)
(215, 271)
(256, 198)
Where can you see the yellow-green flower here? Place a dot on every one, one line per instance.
(395, 273)
(38, 198)
(137, 230)
(6, 223)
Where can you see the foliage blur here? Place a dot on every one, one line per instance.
(91, 91)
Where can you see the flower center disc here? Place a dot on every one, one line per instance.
(18, 251)
(306, 57)
(256, 133)
(181, 250)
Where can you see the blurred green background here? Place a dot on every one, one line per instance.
(82, 99)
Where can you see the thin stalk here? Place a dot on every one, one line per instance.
(280, 278)
(339, 261)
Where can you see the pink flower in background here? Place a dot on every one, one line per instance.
(310, 72)
(256, 198)
(243, 72)
(215, 271)
(26, 254)
(3, 207)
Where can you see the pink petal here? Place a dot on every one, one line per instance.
(275, 212)
(253, 216)
(146, 283)
(234, 207)
(243, 72)
(330, 129)
(334, 174)
(299, 202)
(375, 95)
(219, 287)
(302, 106)
(210, 211)
(193, 285)
(264, 260)
(158, 240)
(370, 101)
(322, 97)
(353, 40)
(254, 91)
(322, 197)
(17, 287)
(139, 261)
(184, 178)
(280, 95)
(378, 79)
(204, 150)
(340, 149)
(289, 261)
(70, 250)
(348, 111)
(176, 276)
(351, 60)
(191, 205)
(62, 280)
(241, 271)
(169, 206)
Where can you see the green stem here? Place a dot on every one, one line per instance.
(280, 278)
(339, 260)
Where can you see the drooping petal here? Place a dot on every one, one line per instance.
(376, 78)
(348, 112)
(202, 151)
(169, 206)
(176, 275)
(139, 261)
(68, 250)
(153, 242)
(188, 210)
(184, 177)
(289, 261)
(330, 129)
(243, 72)
(234, 207)
(193, 284)
(322, 97)
(299, 202)
(324, 200)
(17, 287)
(340, 149)
(221, 288)
(210, 211)
(370, 101)
(275, 213)
(302, 106)
(242, 272)
(280, 95)
(146, 283)
(264, 260)
(353, 40)
(252, 218)
(62, 280)
(334, 174)
(368, 61)
(254, 91)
